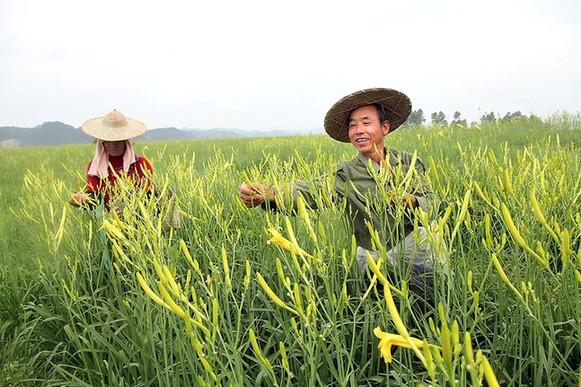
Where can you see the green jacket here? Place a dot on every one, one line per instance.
(373, 195)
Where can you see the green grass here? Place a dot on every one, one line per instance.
(73, 313)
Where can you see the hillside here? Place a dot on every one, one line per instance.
(59, 133)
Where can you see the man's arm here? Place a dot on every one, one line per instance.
(422, 195)
(259, 194)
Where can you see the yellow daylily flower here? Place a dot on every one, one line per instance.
(281, 241)
(386, 340)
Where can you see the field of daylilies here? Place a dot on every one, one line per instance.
(237, 296)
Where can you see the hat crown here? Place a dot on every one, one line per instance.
(115, 119)
(113, 126)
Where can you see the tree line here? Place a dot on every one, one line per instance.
(440, 119)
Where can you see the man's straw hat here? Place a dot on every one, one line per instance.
(113, 126)
(395, 103)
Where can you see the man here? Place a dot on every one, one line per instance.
(381, 186)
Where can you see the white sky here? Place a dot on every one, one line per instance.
(281, 64)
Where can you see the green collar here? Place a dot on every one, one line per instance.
(389, 155)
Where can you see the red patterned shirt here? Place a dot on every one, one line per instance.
(140, 172)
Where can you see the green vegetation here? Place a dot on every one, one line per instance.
(89, 298)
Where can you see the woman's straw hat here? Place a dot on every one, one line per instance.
(396, 104)
(113, 126)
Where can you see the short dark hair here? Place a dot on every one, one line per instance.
(382, 113)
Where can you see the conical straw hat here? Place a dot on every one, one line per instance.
(396, 103)
(113, 126)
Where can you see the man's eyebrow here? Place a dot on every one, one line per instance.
(362, 118)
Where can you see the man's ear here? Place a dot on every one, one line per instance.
(386, 128)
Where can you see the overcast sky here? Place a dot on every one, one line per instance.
(281, 64)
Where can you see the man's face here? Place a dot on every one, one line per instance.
(366, 133)
(114, 148)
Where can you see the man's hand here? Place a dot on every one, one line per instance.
(254, 194)
(409, 200)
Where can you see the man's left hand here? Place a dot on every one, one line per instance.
(410, 200)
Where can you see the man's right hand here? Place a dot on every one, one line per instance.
(254, 194)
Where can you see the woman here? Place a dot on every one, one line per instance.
(114, 158)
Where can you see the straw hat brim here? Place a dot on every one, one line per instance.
(95, 127)
(397, 104)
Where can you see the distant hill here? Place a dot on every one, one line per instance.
(58, 133)
(165, 134)
(49, 133)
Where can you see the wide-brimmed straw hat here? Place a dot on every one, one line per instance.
(395, 103)
(113, 126)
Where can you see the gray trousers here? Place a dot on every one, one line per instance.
(414, 255)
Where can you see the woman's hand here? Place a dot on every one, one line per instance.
(78, 199)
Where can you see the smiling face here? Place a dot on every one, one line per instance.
(366, 132)
(114, 148)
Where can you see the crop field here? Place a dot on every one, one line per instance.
(246, 297)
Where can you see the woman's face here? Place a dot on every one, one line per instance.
(114, 148)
